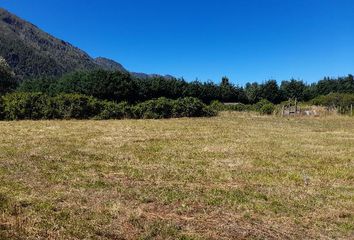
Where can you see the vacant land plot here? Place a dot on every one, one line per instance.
(235, 176)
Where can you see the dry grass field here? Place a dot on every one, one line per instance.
(235, 176)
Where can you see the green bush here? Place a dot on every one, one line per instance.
(22, 105)
(153, 109)
(217, 106)
(340, 101)
(238, 107)
(258, 106)
(208, 112)
(264, 107)
(19, 106)
(76, 106)
(334, 99)
(112, 110)
(166, 108)
(267, 109)
(191, 107)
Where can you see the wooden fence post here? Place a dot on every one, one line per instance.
(295, 106)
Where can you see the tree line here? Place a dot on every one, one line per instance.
(118, 86)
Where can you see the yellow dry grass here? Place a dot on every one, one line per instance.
(235, 176)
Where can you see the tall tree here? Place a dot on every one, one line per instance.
(253, 92)
(270, 91)
(230, 92)
(293, 89)
(7, 81)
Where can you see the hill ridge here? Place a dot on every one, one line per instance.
(32, 52)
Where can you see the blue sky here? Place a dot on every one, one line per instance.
(246, 40)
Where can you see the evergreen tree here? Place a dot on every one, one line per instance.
(7, 81)
(293, 89)
(270, 91)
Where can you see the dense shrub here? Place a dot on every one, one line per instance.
(267, 109)
(75, 106)
(217, 106)
(112, 110)
(18, 106)
(238, 107)
(154, 109)
(191, 107)
(23, 105)
(166, 108)
(335, 100)
(342, 102)
(259, 105)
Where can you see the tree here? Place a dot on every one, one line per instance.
(230, 92)
(326, 86)
(346, 85)
(253, 92)
(293, 89)
(270, 91)
(225, 81)
(7, 81)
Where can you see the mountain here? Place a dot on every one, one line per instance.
(32, 52)
(147, 76)
(109, 64)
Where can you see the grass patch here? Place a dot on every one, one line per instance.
(238, 175)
